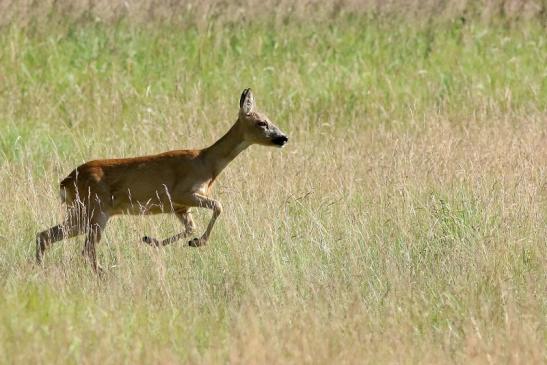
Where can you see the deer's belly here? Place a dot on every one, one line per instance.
(159, 202)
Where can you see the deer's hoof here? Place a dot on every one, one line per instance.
(151, 241)
(196, 242)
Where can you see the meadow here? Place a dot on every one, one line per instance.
(404, 222)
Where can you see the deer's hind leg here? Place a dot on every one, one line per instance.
(73, 226)
(94, 230)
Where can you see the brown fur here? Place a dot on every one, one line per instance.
(170, 182)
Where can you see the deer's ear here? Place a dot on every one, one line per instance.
(247, 101)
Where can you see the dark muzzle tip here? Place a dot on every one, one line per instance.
(280, 141)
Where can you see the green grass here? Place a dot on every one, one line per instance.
(404, 222)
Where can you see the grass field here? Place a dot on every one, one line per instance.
(405, 221)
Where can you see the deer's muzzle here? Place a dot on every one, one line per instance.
(280, 140)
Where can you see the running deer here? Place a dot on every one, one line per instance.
(171, 182)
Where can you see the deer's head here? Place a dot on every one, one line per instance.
(257, 128)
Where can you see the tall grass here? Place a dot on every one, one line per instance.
(405, 222)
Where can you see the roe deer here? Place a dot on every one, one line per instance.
(174, 181)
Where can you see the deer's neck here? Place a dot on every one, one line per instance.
(223, 151)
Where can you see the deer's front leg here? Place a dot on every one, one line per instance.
(201, 201)
(185, 218)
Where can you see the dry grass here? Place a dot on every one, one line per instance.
(405, 221)
(204, 13)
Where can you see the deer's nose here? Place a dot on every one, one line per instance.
(280, 140)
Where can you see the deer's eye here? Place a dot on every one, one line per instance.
(262, 124)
